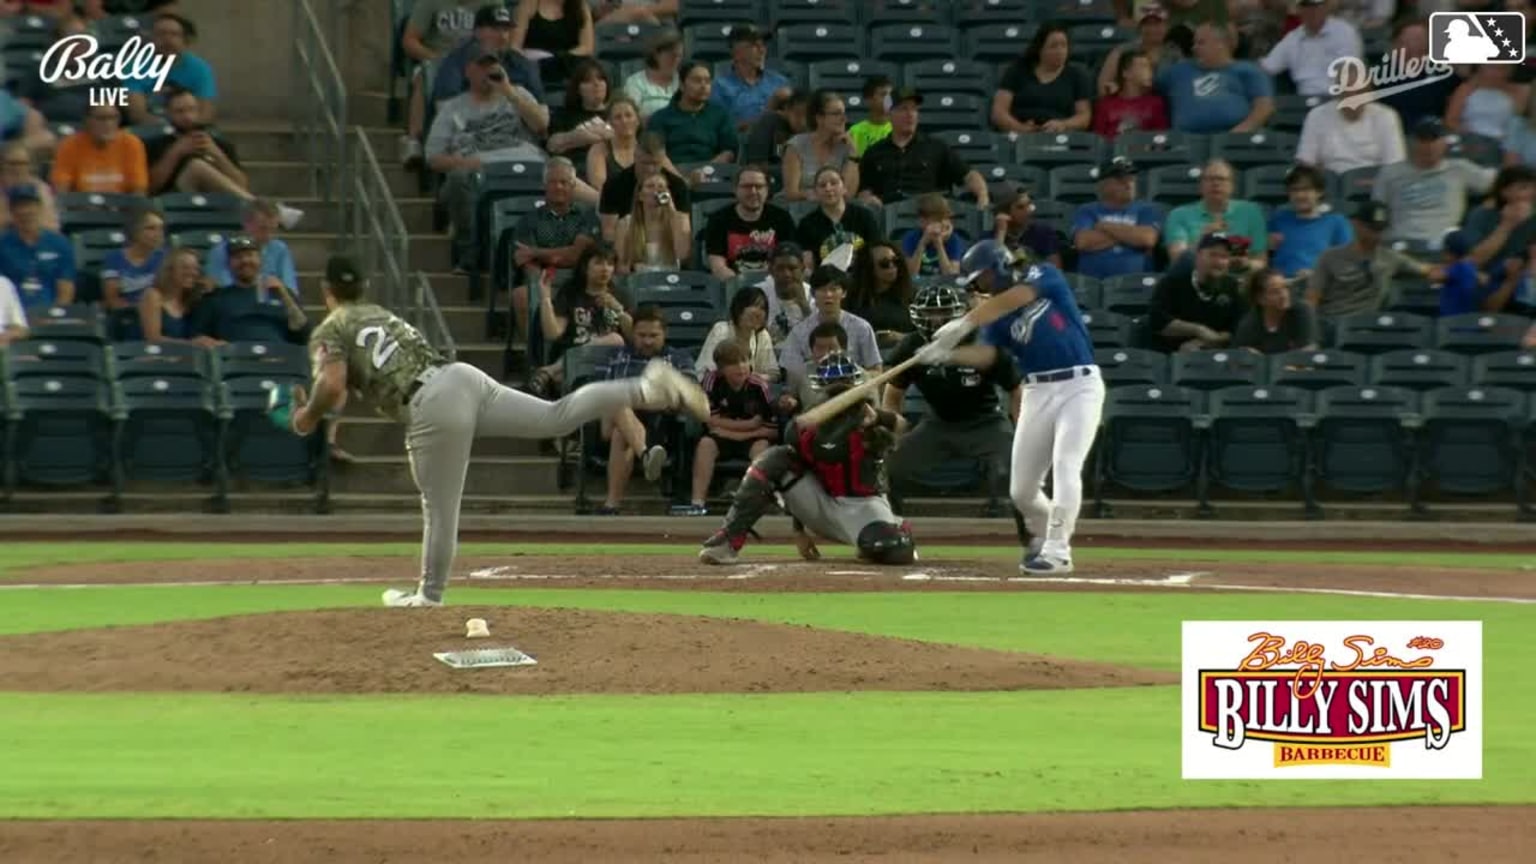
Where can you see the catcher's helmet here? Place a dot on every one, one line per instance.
(835, 369)
(935, 305)
(989, 256)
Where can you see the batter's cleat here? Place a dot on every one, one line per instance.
(654, 462)
(1045, 565)
(666, 388)
(397, 599)
(721, 548)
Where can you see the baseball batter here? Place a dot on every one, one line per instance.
(829, 478)
(444, 406)
(1033, 318)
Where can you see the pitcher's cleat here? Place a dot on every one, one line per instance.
(666, 388)
(397, 599)
(1045, 565)
(654, 462)
(721, 549)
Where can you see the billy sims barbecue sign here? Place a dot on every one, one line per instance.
(1332, 699)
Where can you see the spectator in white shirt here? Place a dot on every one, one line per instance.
(1307, 51)
(13, 319)
(829, 286)
(651, 88)
(1338, 139)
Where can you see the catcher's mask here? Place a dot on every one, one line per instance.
(835, 373)
(936, 305)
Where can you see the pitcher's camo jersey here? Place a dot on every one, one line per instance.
(384, 355)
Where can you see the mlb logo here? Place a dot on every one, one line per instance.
(1457, 38)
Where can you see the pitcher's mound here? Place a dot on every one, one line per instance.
(390, 651)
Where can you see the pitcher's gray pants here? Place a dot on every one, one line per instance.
(458, 404)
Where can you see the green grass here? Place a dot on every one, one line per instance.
(198, 755)
(16, 557)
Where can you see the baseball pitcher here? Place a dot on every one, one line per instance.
(829, 479)
(444, 406)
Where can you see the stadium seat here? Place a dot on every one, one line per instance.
(1107, 329)
(169, 431)
(1212, 370)
(939, 12)
(1480, 333)
(954, 111)
(824, 40)
(910, 41)
(680, 284)
(619, 42)
(1059, 148)
(1420, 369)
(115, 30)
(709, 41)
(1244, 149)
(1414, 295)
(61, 431)
(976, 146)
(719, 181)
(1361, 442)
(33, 32)
(952, 75)
(1173, 184)
(187, 211)
(1358, 184)
(1147, 149)
(1097, 38)
(783, 12)
(84, 211)
(160, 360)
(1265, 184)
(1130, 294)
(1380, 332)
(1479, 149)
(1082, 13)
(79, 322)
(1317, 369)
(846, 75)
(1022, 12)
(1513, 369)
(255, 449)
(1291, 111)
(1257, 438)
(49, 359)
(1085, 290)
(1470, 440)
(1149, 441)
(1132, 366)
(994, 39)
(1031, 177)
(91, 247)
(1074, 185)
(200, 240)
(260, 360)
(504, 215)
(691, 12)
(1426, 250)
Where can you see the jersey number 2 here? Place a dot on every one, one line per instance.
(383, 346)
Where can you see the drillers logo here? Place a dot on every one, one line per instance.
(1329, 699)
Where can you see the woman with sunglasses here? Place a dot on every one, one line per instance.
(836, 221)
(882, 292)
(827, 145)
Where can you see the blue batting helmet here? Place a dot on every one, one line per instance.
(836, 368)
(990, 256)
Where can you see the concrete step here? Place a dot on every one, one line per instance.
(429, 252)
(326, 218)
(487, 476)
(466, 323)
(280, 143)
(376, 436)
(451, 289)
(291, 179)
(371, 108)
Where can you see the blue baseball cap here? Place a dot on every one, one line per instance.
(22, 193)
(1458, 243)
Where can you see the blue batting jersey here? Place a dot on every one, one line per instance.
(1049, 333)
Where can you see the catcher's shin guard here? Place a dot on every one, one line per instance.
(768, 472)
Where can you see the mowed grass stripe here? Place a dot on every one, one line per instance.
(234, 756)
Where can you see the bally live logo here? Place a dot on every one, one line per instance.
(79, 59)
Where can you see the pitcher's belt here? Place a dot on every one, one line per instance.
(421, 381)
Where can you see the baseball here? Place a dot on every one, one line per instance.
(476, 628)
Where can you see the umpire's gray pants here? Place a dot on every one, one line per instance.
(458, 403)
(933, 441)
(839, 519)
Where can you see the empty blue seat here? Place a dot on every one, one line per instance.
(1085, 290)
(1264, 147)
(1361, 442)
(1257, 438)
(160, 360)
(1265, 184)
(1318, 369)
(1074, 184)
(951, 75)
(1130, 294)
(1358, 184)
(1212, 370)
(994, 40)
(618, 42)
(80, 322)
(954, 111)
(1099, 13)
(1513, 369)
(710, 40)
(1149, 441)
(187, 211)
(170, 430)
(813, 11)
(1480, 333)
(262, 360)
(53, 359)
(200, 239)
(907, 41)
(976, 146)
(61, 431)
(847, 74)
(1415, 295)
(1291, 111)
(1148, 149)
(1470, 440)
(823, 40)
(1419, 369)
(80, 211)
(1107, 329)
(1173, 184)
(1132, 366)
(1060, 148)
(1380, 332)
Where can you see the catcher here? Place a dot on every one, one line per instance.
(829, 478)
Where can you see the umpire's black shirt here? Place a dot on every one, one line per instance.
(955, 394)
(924, 165)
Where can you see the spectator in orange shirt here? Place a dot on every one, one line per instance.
(101, 158)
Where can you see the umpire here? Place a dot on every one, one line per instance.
(964, 419)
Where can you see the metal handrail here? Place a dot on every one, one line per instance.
(375, 232)
(320, 109)
(433, 323)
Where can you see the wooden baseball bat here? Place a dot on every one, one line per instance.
(820, 414)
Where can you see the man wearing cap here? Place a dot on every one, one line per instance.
(1214, 93)
(1217, 210)
(1427, 194)
(261, 219)
(38, 261)
(1014, 225)
(1116, 234)
(1197, 309)
(433, 28)
(1355, 277)
(492, 35)
(745, 88)
(908, 163)
(1306, 52)
(495, 121)
(247, 309)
